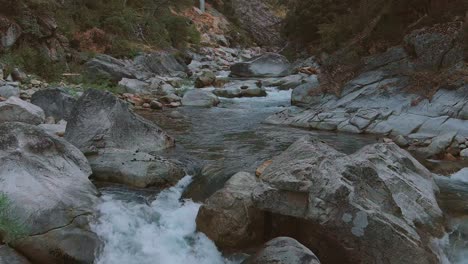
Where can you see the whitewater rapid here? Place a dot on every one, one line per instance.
(163, 232)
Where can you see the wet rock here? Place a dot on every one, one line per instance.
(266, 65)
(229, 218)
(241, 89)
(207, 78)
(307, 93)
(200, 98)
(55, 129)
(8, 91)
(286, 83)
(133, 168)
(46, 181)
(283, 250)
(170, 98)
(100, 120)
(17, 110)
(10, 256)
(401, 141)
(55, 102)
(156, 105)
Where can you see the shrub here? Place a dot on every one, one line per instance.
(11, 228)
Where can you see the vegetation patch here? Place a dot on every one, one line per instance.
(11, 228)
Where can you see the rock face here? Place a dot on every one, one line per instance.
(341, 206)
(266, 65)
(55, 102)
(229, 218)
(10, 32)
(100, 120)
(163, 64)
(46, 181)
(200, 98)
(283, 250)
(17, 110)
(259, 20)
(10, 256)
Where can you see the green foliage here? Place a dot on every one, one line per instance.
(11, 228)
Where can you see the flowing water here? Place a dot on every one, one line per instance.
(143, 227)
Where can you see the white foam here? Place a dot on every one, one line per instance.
(161, 233)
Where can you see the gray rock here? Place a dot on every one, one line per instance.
(162, 64)
(17, 110)
(349, 203)
(464, 154)
(100, 120)
(401, 141)
(286, 83)
(229, 218)
(46, 181)
(207, 78)
(8, 91)
(106, 67)
(134, 86)
(10, 256)
(200, 98)
(55, 129)
(307, 93)
(55, 102)
(241, 89)
(266, 65)
(283, 250)
(170, 98)
(439, 144)
(136, 169)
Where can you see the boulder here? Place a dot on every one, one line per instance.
(134, 86)
(348, 203)
(229, 217)
(10, 256)
(106, 67)
(266, 65)
(200, 98)
(45, 180)
(285, 83)
(8, 91)
(134, 168)
(55, 102)
(18, 75)
(241, 89)
(17, 110)
(207, 78)
(464, 153)
(55, 129)
(307, 93)
(438, 145)
(100, 120)
(283, 250)
(162, 64)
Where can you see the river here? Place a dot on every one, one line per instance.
(153, 226)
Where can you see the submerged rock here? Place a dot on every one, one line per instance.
(46, 181)
(283, 250)
(17, 110)
(266, 65)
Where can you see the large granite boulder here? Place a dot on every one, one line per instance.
(283, 250)
(200, 98)
(100, 120)
(106, 67)
(55, 102)
(162, 64)
(45, 180)
(340, 206)
(229, 218)
(121, 146)
(17, 110)
(266, 65)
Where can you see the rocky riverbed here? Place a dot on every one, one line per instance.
(193, 163)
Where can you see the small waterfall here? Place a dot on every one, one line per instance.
(163, 232)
